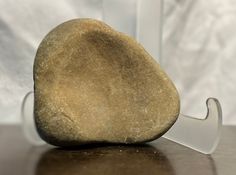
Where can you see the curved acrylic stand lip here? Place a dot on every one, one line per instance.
(28, 123)
(199, 134)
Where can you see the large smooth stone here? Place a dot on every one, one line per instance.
(94, 84)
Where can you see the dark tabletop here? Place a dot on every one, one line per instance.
(18, 157)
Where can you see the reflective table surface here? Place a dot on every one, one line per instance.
(18, 157)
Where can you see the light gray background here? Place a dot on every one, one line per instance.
(199, 48)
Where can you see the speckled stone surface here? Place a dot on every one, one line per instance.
(94, 84)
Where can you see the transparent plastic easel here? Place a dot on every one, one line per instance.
(142, 20)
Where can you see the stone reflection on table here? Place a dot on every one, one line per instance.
(109, 160)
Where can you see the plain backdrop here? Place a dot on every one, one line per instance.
(198, 50)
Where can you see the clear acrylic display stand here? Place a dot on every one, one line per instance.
(142, 20)
(199, 134)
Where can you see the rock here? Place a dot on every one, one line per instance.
(93, 84)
